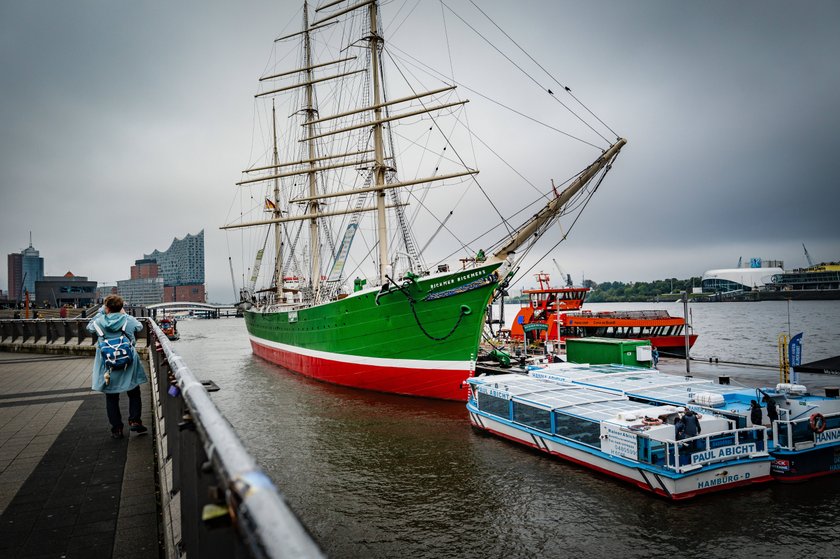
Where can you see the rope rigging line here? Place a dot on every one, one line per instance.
(529, 76)
(508, 165)
(569, 230)
(436, 74)
(493, 228)
(540, 66)
(448, 143)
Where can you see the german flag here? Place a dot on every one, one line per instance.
(270, 206)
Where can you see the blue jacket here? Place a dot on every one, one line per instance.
(111, 325)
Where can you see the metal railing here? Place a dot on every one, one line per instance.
(680, 452)
(799, 434)
(229, 506)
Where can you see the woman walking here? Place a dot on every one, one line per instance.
(111, 378)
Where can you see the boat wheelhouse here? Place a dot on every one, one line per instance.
(538, 315)
(609, 433)
(806, 437)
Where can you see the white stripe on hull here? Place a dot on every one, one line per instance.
(371, 361)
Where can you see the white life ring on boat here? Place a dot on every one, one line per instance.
(652, 421)
(817, 423)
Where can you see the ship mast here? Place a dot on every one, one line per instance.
(278, 260)
(314, 239)
(314, 164)
(379, 151)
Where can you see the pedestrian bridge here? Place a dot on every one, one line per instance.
(208, 309)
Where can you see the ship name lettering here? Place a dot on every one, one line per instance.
(724, 452)
(451, 281)
(723, 480)
(827, 436)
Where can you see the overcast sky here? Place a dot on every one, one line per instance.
(125, 124)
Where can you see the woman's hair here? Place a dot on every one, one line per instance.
(114, 303)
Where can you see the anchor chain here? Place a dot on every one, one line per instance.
(465, 310)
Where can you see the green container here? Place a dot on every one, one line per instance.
(605, 351)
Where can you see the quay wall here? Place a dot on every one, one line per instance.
(63, 336)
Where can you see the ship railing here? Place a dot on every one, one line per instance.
(228, 506)
(799, 434)
(692, 453)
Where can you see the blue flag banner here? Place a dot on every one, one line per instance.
(795, 350)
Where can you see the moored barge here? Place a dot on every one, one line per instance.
(609, 433)
(805, 437)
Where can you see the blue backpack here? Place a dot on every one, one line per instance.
(117, 353)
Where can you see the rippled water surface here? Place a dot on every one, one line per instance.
(375, 475)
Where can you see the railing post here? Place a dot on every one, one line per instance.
(173, 411)
(199, 490)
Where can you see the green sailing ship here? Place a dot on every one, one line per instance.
(408, 328)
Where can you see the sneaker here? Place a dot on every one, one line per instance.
(137, 427)
(117, 433)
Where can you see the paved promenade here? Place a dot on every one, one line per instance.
(67, 489)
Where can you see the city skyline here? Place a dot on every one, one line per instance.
(728, 109)
(180, 268)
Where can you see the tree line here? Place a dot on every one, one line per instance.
(634, 291)
(641, 291)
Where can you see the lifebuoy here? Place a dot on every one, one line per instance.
(652, 421)
(817, 423)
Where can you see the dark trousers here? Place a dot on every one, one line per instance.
(112, 404)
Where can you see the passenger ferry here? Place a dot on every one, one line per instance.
(609, 433)
(805, 439)
(665, 332)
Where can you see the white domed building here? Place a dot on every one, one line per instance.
(741, 279)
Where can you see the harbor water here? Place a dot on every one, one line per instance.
(375, 475)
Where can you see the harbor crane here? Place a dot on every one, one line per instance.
(559, 271)
(807, 256)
